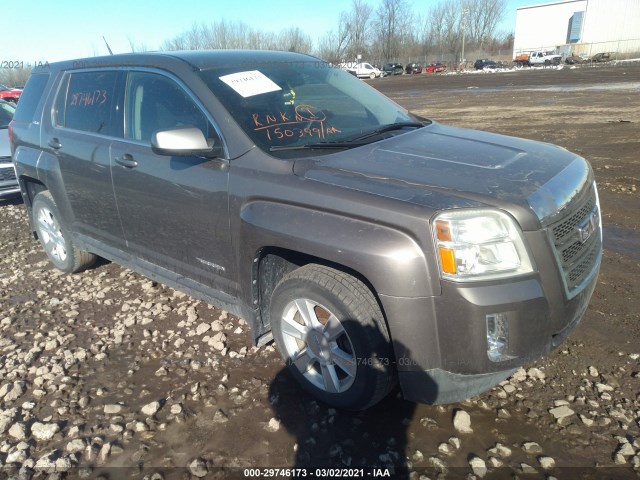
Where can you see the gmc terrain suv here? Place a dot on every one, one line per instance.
(372, 245)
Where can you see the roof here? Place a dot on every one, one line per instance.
(198, 59)
(548, 4)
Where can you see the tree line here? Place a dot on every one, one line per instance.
(390, 32)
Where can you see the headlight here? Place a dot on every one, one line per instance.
(479, 245)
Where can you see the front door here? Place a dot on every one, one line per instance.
(174, 210)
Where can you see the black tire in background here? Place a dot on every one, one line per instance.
(332, 335)
(55, 237)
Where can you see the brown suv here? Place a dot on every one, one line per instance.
(373, 246)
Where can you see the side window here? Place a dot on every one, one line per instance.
(86, 101)
(154, 102)
(30, 97)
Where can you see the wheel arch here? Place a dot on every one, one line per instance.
(31, 187)
(276, 262)
(39, 170)
(390, 259)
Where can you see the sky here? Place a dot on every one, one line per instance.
(48, 31)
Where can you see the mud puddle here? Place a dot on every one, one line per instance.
(629, 86)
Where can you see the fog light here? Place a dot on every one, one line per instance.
(497, 337)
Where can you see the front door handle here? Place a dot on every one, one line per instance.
(126, 160)
(55, 143)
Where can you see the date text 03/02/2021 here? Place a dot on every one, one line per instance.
(317, 472)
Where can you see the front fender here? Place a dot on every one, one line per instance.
(389, 259)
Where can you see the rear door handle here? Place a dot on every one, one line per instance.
(127, 161)
(55, 143)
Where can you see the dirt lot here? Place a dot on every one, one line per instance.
(107, 373)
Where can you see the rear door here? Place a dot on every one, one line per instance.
(80, 132)
(174, 210)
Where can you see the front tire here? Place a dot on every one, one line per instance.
(331, 333)
(55, 238)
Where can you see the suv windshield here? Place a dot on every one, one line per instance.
(286, 106)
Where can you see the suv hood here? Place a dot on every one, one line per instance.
(467, 167)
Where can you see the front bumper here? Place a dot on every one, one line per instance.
(441, 343)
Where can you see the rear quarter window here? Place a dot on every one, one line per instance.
(86, 101)
(31, 96)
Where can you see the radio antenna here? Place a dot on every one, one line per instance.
(107, 44)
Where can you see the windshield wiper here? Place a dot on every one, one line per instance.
(311, 146)
(386, 128)
(351, 142)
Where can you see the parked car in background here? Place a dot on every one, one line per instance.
(10, 94)
(8, 182)
(575, 60)
(435, 68)
(537, 58)
(484, 63)
(544, 58)
(365, 70)
(413, 68)
(603, 56)
(393, 69)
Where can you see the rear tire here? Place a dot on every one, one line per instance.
(55, 237)
(332, 335)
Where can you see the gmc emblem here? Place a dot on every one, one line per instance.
(589, 225)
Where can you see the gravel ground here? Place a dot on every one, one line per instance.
(108, 374)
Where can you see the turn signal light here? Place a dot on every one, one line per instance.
(447, 260)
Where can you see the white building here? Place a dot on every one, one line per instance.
(579, 27)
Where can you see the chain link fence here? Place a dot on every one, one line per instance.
(616, 50)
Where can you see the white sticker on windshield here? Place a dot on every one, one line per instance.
(250, 83)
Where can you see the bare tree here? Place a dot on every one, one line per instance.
(358, 22)
(393, 24)
(135, 46)
(448, 18)
(179, 42)
(483, 17)
(330, 47)
(224, 34)
(295, 40)
(351, 37)
(14, 77)
(384, 33)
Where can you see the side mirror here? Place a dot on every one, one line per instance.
(183, 142)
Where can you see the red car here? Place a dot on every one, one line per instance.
(435, 68)
(10, 94)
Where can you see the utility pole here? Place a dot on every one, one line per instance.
(464, 32)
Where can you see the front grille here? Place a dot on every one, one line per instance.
(567, 226)
(577, 256)
(7, 174)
